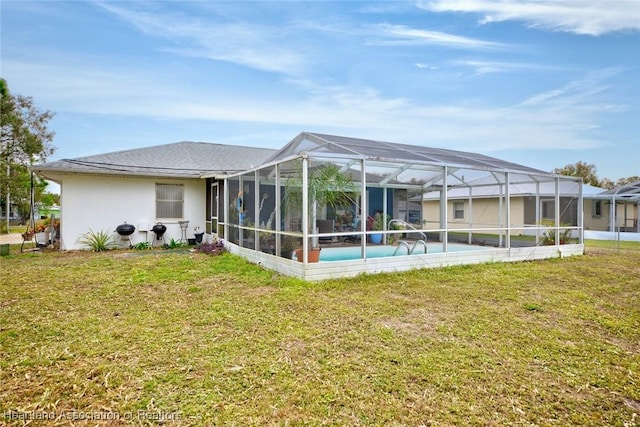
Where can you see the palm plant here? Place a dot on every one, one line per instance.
(327, 185)
(98, 241)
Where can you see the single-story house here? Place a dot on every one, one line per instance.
(144, 186)
(245, 194)
(478, 206)
(532, 203)
(613, 214)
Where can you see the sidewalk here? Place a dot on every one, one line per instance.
(12, 239)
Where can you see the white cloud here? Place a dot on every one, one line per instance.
(260, 47)
(577, 92)
(486, 67)
(592, 17)
(427, 66)
(400, 35)
(560, 118)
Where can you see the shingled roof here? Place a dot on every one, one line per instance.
(181, 160)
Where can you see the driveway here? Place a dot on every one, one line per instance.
(12, 239)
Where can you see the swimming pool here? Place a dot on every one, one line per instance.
(379, 251)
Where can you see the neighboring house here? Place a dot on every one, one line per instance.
(14, 217)
(617, 210)
(481, 207)
(43, 212)
(483, 203)
(145, 186)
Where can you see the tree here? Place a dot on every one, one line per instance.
(24, 141)
(609, 184)
(21, 198)
(628, 180)
(582, 170)
(588, 174)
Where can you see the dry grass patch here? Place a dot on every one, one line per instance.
(423, 321)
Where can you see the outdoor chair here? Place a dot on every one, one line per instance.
(325, 226)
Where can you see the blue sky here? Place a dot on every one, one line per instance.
(542, 83)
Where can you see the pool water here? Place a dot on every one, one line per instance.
(353, 252)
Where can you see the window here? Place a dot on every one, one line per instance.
(458, 210)
(597, 208)
(169, 200)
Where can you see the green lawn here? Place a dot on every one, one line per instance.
(201, 340)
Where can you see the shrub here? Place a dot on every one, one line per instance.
(174, 244)
(211, 248)
(98, 241)
(549, 236)
(142, 246)
(43, 224)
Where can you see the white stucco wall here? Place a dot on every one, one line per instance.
(104, 202)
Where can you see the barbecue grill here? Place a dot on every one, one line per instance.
(125, 231)
(159, 229)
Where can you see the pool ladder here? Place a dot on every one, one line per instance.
(408, 227)
(410, 249)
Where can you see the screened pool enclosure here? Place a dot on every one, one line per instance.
(368, 206)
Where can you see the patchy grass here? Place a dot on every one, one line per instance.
(216, 340)
(612, 244)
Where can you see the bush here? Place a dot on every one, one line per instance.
(142, 246)
(549, 236)
(211, 248)
(98, 241)
(175, 244)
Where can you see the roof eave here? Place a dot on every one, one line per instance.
(50, 172)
